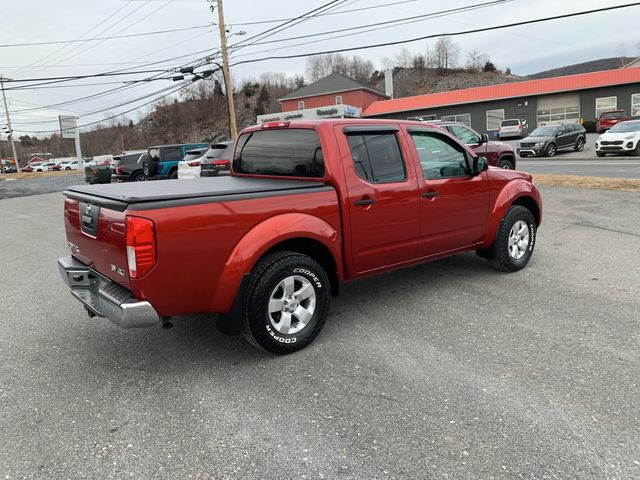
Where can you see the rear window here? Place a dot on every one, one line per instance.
(193, 155)
(214, 153)
(287, 152)
(609, 115)
(510, 123)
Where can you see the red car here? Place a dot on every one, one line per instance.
(498, 154)
(606, 120)
(309, 204)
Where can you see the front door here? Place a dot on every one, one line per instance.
(382, 195)
(454, 203)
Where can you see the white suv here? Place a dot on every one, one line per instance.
(512, 127)
(623, 137)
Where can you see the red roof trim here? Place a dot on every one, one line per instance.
(527, 88)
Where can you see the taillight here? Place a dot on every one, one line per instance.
(119, 169)
(275, 125)
(141, 248)
(194, 164)
(95, 170)
(221, 163)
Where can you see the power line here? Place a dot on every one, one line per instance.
(80, 36)
(450, 34)
(260, 22)
(94, 39)
(401, 21)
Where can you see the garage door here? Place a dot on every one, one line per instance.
(554, 109)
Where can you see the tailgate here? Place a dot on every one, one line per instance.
(96, 236)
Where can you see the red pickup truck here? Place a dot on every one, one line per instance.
(309, 205)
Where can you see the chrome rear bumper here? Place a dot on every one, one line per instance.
(105, 298)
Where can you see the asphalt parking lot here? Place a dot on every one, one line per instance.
(447, 370)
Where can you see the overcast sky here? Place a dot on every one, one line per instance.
(526, 49)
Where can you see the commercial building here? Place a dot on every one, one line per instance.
(333, 96)
(572, 98)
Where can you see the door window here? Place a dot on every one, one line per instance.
(376, 157)
(464, 134)
(171, 153)
(440, 157)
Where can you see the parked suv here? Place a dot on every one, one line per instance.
(164, 159)
(546, 141)
(497, 153)
(512, 127)
(217, 160)
(189, 166)
(606, 120)
(623, 137)
(128, 167)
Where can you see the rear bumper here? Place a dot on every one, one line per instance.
(104, 298)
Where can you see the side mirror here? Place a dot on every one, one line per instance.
(484, 138)
(480, 164)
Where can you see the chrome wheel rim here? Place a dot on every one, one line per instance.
(518, 240)
(580, 145)
(552, 150)
(291, 305)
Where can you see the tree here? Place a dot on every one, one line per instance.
(404, 58)
(489, 67)
(419, 62)
(320, 66)
(475, 60)
(507, 71)
(446, 53)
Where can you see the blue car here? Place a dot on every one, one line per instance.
(163, 160)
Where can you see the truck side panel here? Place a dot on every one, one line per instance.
(202, 237)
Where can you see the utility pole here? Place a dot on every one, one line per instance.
(6, 111)
(228, 85)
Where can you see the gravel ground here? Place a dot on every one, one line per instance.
(448, 370)
(10, 188)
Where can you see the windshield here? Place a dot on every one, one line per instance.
(543, 132)
(625, 127)
(288, 152)
(510, 123)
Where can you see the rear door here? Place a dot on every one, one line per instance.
(383, 199)
(454, 204)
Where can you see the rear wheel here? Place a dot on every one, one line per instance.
(551, 150)
(579, 146)
(139, 177)
(173, 175)
(506, 164)
(286, 302)
(515, 240)
(148, 168)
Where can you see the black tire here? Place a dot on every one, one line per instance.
(506, 164)
(138, 177)
(636, 151)
(259, 326)
(601, 154)
(579, 146)
(148, 168)
(551, 150)
(498, 255)
(173, 175)
(67, 168)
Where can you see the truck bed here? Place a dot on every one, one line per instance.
(172, 193)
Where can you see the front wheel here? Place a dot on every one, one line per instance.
(550, 150)
(636, 151)
(139, 177)
(286, 302)
(579, 146)
(515, 240)
(601, 154)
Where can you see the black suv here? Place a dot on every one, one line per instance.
(546, 141)
(129, 167)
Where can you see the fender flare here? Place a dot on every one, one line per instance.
(511, 192)
(263, 237)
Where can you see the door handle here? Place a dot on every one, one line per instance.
(363, 202)
(430, 194)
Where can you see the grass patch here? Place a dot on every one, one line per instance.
(601, 183)
(31, 175)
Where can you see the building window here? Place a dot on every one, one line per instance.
(462, 118)
(338, 99)
(494, 119)
(301, 105)
(423, 118)
(605, 104)
(553, 116)
(635, 105)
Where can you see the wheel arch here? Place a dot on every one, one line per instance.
(298, 232)
(509, 156)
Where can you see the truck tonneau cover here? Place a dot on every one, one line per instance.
(160, 193)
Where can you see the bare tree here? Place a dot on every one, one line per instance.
(322, 65)
(446, 53)
(474, 60)
(386, 63)
(404, 58)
